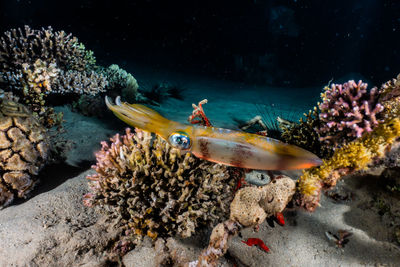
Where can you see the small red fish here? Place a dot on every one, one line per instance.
(280, 219)
(257, 242)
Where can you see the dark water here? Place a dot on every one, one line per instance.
(282, 43)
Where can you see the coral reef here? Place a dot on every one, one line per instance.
(33, 82)
(25, 46)
(250, 207)
(80, 82)
(389, 96)
(303, 133)
(24, 150)
(347, 112)
(156, 190)
(353, 156)
(122, 82)
(35, 63)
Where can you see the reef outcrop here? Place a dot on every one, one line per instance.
(155, 189)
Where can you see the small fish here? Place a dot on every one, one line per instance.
(256, 242)
(232, 148)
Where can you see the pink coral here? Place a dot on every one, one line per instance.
(348, 111)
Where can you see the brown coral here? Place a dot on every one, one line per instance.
(80, 82)
(390, 97)
(25, 46)
(23, 151)
(33, 82)
(303, 133)
(122, 82)
(157, 190)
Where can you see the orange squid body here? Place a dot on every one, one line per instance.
(249, 151)
(229, 147)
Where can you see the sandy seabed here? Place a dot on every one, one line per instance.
(54, 228)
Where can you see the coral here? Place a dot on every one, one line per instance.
(389, 96)
(390, 89)
(123, 82)
(155, 189)
(347, 112)
(266, 201)
(351, 157)
(198, 116)
(33, 82)
(23, 151)
(35, 63)
(80, 82)
(255, 121)
(303, 133)
(25, 46)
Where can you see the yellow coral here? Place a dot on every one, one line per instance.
(354, 156)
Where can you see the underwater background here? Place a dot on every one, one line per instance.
(79, 188)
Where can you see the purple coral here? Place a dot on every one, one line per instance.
(348, 110)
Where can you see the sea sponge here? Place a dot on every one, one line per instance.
(249, 208)
(354, 156)
(24, 151)
(156, 189)
(347, 112)
(252, 204)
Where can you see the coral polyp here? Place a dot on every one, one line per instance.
(347, 112)
(156, 189)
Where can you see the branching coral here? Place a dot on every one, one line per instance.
(347, 112)
(198, 116)
(35, 63)
(354, 156)
(23, 151)
(33, 82)
(25, 46)
(155, 189)
(80, 82)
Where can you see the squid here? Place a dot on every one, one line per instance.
(229, 147)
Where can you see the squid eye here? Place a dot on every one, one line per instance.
(180, 140)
